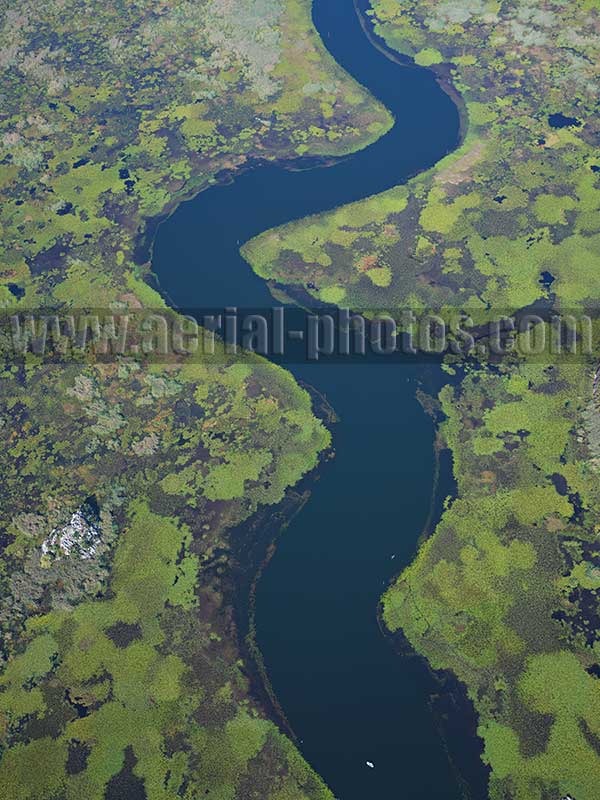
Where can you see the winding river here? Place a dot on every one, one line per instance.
(349, 698)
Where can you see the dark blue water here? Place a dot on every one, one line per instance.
(348, 697)
(196, 253)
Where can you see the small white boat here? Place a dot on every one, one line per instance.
(370, 764)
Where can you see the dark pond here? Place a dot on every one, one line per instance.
(348, 696)
(561, 121)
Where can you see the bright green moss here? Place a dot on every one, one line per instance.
(428, 57)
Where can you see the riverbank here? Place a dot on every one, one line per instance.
(345, 693)
(253, 545)
(453, 712)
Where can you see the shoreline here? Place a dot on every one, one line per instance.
(441, 71)
(255, 541)
(263, 531)
(143, 254)
(451, 703)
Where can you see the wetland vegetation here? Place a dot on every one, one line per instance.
(111, 116)
(503, 594)
(122, 663)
